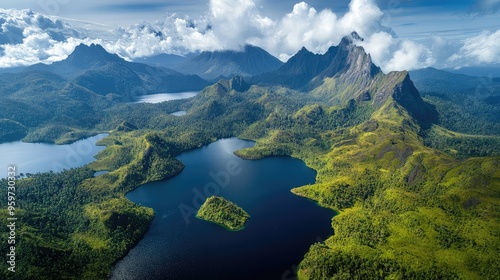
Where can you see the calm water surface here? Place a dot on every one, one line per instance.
(38, 157)
(180, 246)
(179, 113)
(161, 97)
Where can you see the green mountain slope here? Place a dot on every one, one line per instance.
(465, 104)
(214, 65)
(468, 123)
(68, 99)
(406, 210)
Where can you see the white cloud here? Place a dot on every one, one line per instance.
(36, 48)
(410, 55)
(27, 38)
(483, 48)
(378, 45)
(234, 22)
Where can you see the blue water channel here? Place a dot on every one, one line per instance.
(274, 241)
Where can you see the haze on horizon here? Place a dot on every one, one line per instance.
(399, 34)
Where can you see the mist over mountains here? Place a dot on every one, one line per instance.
(91, 74)
(54, 37)
(249, 62)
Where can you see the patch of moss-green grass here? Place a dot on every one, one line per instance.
(224, 213)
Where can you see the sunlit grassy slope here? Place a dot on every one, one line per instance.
(406, 211)
(223, 212)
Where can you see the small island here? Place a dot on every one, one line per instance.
(224, 213)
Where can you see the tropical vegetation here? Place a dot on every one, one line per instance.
(223, 212)
(417, 195)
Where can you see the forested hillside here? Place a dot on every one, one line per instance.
(67, 100)
(407, 207)
(469, 112)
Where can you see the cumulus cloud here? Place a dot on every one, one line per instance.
(174, 35)
(230, 24)
(27, 38)
(316, 30)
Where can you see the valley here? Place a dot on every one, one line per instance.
(38, 158)
(177, 239)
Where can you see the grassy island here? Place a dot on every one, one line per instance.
(224, 213)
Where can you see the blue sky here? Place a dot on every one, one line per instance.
(400, 34)
(409, 15)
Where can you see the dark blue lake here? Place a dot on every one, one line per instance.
(274, 241)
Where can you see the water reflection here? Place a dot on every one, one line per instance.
(162, 97)
(179, 113)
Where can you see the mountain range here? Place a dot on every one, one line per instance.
(215, 65)
(347, 72)
(102, 72)
(343, 73)
(411, 167)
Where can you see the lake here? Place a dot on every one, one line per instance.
(179, 113)
(38, 157)
(180, 246)
(161, 97)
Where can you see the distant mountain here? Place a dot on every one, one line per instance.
(432, 80)
(66, 100)
(306, 70)
(82, 59)
(99, 71)
(478, 71)
(346, 72)
(298, 70)
(162, 60)
(466, 104)
(12, 69)
(227, 64)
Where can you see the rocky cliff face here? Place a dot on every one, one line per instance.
(350, 63)
(346, 72)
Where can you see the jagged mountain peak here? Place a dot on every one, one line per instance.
(85, 55)
(92, 47)
(346, 72)
(303, 50)
(351, 38)
(306, 70)
(83, 58)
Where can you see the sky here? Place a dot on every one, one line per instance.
(398, 34)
